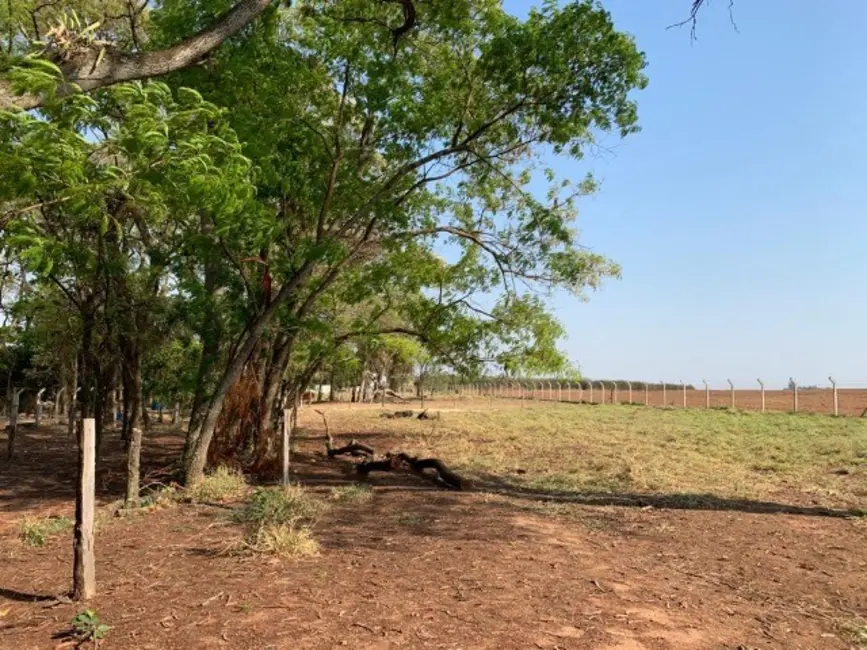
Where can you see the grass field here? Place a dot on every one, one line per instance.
(629, 449)
(585, 527)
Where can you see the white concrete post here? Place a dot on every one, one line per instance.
(683, 389)
(795, 395)
(706, 394)
(836, 401)
(602, 392)
(732, 388)
(762, 387)
(629, 386)
(664, 398)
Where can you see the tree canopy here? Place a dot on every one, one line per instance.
(341, 190)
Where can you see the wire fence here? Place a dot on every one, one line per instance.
(833, 400)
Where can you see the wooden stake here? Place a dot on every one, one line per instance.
(84, 567)
(287, 438)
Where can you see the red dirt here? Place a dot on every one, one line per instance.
(416, 567)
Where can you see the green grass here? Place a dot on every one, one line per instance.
(629, 449)
(353, 493)
(36, 531)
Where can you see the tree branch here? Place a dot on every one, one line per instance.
(95, 67)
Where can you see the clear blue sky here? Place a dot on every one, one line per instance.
(739, 213)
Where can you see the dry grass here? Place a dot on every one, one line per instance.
(279, 521)
(221, 486)
(631, 449)
(36, 531)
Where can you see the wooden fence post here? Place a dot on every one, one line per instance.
(287, 438)
(84, 567)
(836, 401)
(13, 422)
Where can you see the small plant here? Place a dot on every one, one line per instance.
(35, 531)
(354, 493)
(222, 485)
(288, 540)
(87, 627)
(163, 497)
(279, 520)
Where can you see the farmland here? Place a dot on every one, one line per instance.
(584, 527)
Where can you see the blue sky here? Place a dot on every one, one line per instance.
(739, 213)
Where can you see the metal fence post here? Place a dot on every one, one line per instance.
(706, 394)
(732, 386)
(836, 401)
(762, 384)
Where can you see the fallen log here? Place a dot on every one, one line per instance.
(388, 464)
(444, 474)
(397, 414)
(354, 448)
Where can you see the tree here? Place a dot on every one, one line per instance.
(88, 63)
(378, 155)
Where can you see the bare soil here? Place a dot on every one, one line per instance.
(417, 567)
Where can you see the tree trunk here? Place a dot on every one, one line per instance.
(131, 371)
(197, 458)
(72, 398)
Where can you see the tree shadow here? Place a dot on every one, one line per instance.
(491, 483)
(23, 597)
(43, 471)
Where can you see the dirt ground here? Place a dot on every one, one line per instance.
(417, 567)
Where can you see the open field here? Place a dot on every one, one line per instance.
(587, 527)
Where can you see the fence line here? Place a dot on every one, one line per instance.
(832, 399)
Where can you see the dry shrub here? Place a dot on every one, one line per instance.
(280, 520)
(222, 485)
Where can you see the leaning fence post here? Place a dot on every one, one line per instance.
(84, 564)
(732, 387)
(794, 395)
(836, 402)
(762, 384)
(706, 394)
